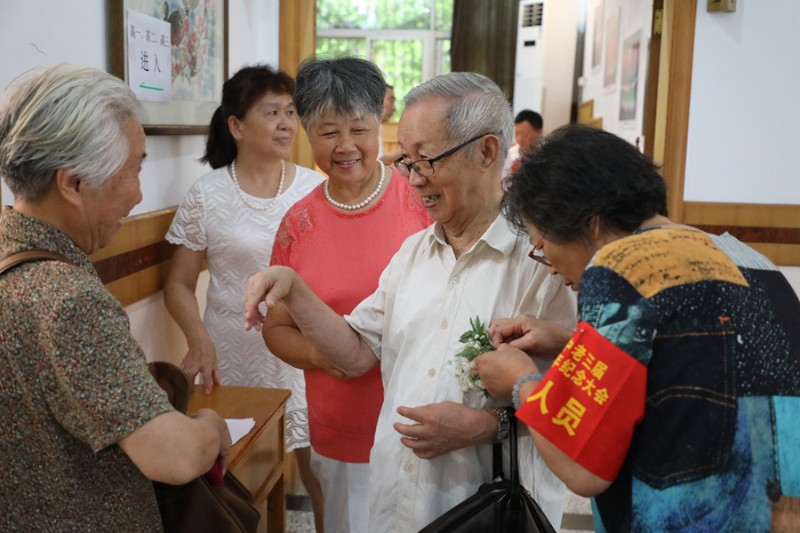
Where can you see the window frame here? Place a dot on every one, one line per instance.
(429, 38)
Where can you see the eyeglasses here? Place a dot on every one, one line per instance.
(424, 167)
(537, 254)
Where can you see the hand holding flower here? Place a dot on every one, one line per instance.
(499, 370)
(535, 337)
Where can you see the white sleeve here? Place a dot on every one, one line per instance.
(189, 225)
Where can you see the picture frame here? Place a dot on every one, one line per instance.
(612, 48)
(199, 52)
(597, 35)
(629, 81)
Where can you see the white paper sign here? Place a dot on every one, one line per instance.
(149, 57)
(239, 427)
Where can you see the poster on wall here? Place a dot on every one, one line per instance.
(629, 83)
(597, 37)
(173, 54)
(612, 47)
(149, 57)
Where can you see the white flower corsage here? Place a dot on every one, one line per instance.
(476, 341)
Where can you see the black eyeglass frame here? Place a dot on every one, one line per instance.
(406, 168)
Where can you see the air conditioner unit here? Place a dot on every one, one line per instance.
(529, 73)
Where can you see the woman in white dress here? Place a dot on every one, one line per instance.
(229, 218)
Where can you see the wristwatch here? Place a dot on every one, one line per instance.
(503, 423)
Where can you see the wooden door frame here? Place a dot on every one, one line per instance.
(297, 41)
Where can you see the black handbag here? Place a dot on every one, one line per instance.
(503, 505)
(200, 505)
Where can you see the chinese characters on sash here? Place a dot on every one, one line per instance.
(589, 401)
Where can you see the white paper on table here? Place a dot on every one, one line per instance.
(239, 427)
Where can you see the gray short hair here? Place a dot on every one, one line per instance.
(344, 86)
(63, 117)
(478, 106)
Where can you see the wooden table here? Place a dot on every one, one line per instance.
(257, 459)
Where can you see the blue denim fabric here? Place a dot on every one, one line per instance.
(718, 353)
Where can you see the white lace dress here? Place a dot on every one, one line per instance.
(238, 242)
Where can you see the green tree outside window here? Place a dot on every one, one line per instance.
(408, 39)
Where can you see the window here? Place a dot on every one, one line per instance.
(408, 39)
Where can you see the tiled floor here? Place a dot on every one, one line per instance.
(299, 522)
(577, 515)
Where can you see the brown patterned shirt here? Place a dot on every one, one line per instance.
(73, 382)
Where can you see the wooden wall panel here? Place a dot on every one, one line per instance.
(772, 230)
(773, 216)
(140, 284)
(135, 264)
(138, 231)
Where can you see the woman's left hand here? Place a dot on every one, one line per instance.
(536, 337)
(499, 370)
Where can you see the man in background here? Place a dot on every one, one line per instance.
(528, 126)
(388, 104)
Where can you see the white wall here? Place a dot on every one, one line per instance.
(29, 39)
(559, 35)
(744, 118)
(44, 32)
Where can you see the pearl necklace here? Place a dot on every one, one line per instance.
(242, 193)
(364, 202)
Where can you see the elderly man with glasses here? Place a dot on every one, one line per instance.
(433, 440)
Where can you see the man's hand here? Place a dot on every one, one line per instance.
(268, 286)
(500, 370)
(536, 337)
(202, 359)
(443, 427)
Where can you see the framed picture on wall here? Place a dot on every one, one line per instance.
(629, 81)
(597, 35)
(173, 54)
(612, 48)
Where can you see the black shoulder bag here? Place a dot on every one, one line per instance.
(502, 506)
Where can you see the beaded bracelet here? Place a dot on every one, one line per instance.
(524, 379)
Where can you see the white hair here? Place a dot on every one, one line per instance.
(478, 106)
(63, 117)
